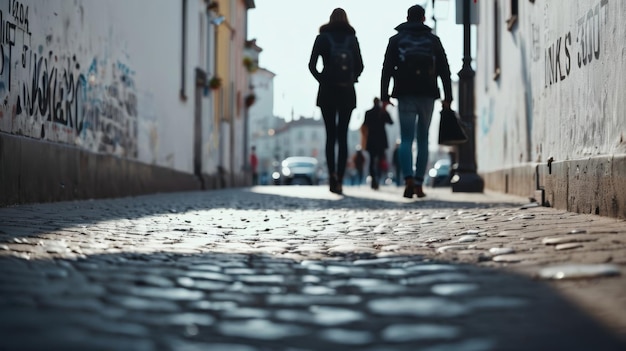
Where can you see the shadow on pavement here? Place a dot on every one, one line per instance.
(229, 301)
(111, 298)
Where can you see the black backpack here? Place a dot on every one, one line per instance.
(341, 64)
(416, 58)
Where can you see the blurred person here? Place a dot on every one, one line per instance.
(374, 125)
(254, 166)
(415, 58)
(359, 164)
(339, 48)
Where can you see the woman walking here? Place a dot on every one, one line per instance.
(339, 48)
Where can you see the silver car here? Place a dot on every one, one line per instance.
(298, 170)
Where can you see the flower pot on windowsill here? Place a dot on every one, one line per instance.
(249, 100)
(250, 65)
(215, 83)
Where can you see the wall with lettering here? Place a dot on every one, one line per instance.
(99, 75)
(560, 89)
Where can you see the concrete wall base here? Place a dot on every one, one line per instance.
(595, 185)
(520, 180)
(34, 171)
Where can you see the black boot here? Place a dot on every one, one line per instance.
(374, 184)
(408, 188)
(335, 185)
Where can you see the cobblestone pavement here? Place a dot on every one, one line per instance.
(299, 268)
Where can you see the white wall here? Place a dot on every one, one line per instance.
(103, 76)
(261, 117)
(561, 87)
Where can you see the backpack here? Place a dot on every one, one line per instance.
(341, 63)
(416, 58)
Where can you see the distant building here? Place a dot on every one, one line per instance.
(302, 137)
(261, 120)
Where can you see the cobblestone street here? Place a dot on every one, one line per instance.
(299, 268)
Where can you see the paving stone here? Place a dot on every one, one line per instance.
(260, 329)
(450, 289)
(513, 258)
(415, 332)
(495, 251)
(579, 271)
(417, 307)
(568, 246)
(447, 248)
(346, 336)
(237, 269)
(568, 239)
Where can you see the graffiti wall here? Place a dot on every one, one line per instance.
(559, 89)
(99, 75)
(55, 91)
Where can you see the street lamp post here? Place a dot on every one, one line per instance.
(465, 178)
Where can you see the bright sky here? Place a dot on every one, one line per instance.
(286, 30)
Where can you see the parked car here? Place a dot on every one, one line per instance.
(439, 175)
(297, 170)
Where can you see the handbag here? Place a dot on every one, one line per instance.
(364, 134)
(450, 129)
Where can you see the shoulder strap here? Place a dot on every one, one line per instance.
(346, 43)
(330, 37)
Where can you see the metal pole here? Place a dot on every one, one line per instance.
(434, 19)
(465, 178)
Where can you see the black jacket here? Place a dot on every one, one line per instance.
(327, 93)
(400, 86)
(375, 119)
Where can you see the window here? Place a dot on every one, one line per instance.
(514, 14)
(496, 40)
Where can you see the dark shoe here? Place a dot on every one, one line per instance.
(340, 185)
(408, 188)
(417, 189)
(332, 182)
(335, 185)
(374, 184)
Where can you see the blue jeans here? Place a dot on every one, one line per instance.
(414, 114)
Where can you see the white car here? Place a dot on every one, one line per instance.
(297, 170)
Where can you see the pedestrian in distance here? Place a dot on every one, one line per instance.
(339, 49)
(351, 171)
(254, 166)
(415, 58)
(374, 124)
(359, 163)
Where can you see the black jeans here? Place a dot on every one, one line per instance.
(375, 157)
(336, 121)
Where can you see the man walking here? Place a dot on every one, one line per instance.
(415, 58)
(375, 120)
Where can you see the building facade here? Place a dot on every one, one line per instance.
(101, 100)
(549, 102)
(262, 124)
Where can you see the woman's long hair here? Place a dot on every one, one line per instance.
(338, 15)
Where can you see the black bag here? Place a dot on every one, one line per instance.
(450, 130)
(341, 65)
